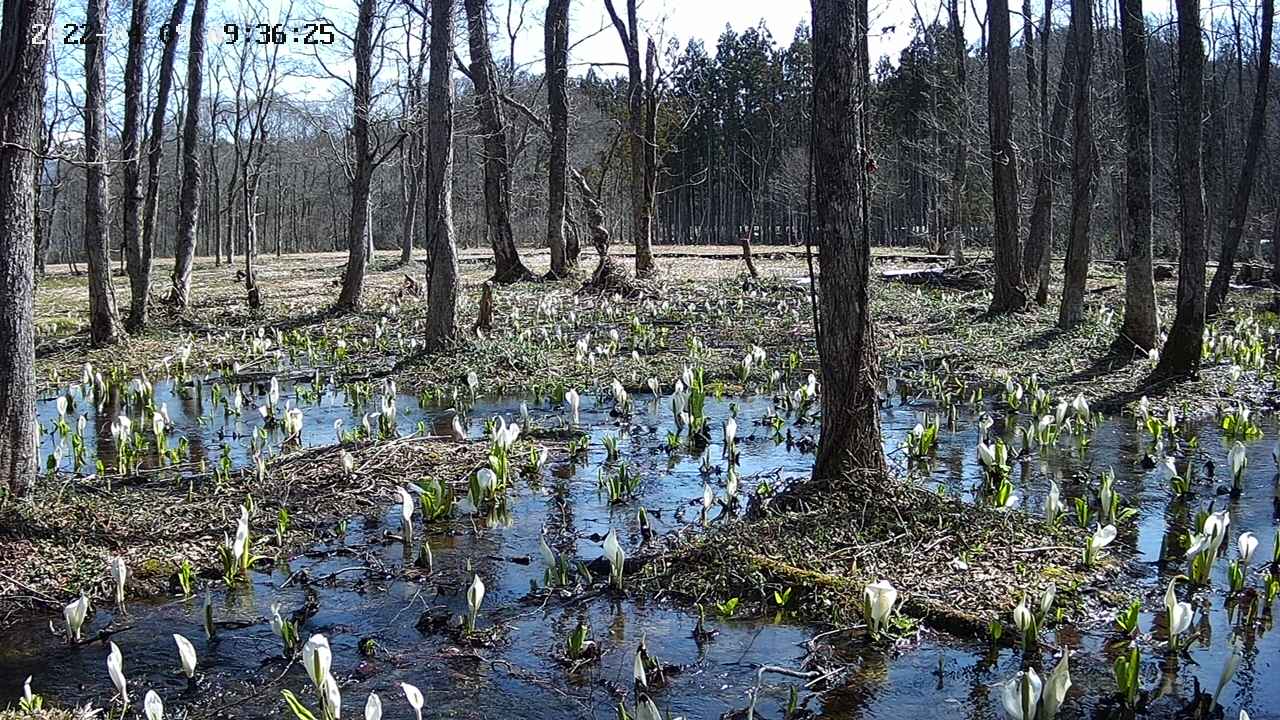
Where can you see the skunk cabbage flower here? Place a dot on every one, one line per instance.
(619, 393)
(1046, 599)
(153, 706)
(878, 600)
(406, 511)
(414, 696)
(1081, 407)
(317, 659)
(1180, 614)
(373, 707)
(459, 432)
(348, 462)
(1248, 544)
(573, 399)
(332, 697)
(987, 455)
(277, 622)
(187, 651)
(115, 668)
(1022, 617)
(1056, 685)
(617, 558)
(1053, 504)
(119, 573)
(1100, 538)
(730, 432)
(1238, 460)
(475, 596)
(654, 387)
(1021, 695)
(75, 614)
(337, 431)
(708, 497)
(1228, 670)
(638, 674)
(273, 394)
(548, 556)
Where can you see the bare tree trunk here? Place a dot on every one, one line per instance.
(1075, 273)
(556, 45)
(1244, 187)
(1141, 320)
(443, 285)
(22, 64)
(1181, 354)
(97, 220)
(1008, 289)
(358, 250)
(497, 165)
(1039, 248)
(850, 370)
(641, 218)
(133, 190)
(155, 151)
(960, 171)
(189, 196)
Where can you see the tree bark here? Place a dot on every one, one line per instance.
(1141, 320)
(1244, 187)
(641, 202)
(1075, 273)
(1181, 354)
(155, 151)
(556, 45)
(442, 271)
(189, 195)
(129, 148)
(960, 171)
(22, 64)
(97, 218)
(497, 165)
(1008, 289)
(362, 170)
(1039, 248)
(850, 369)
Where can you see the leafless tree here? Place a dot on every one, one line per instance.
(1083, 164)
(1181, 353)
(1244, 186)
(1009, 291)
(189, 197)
(97, 222)
(1141, 321)
(442, 274)
(642, 155)
(850, 369)
(21, 70)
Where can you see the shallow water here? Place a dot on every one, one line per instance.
(520, 676)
